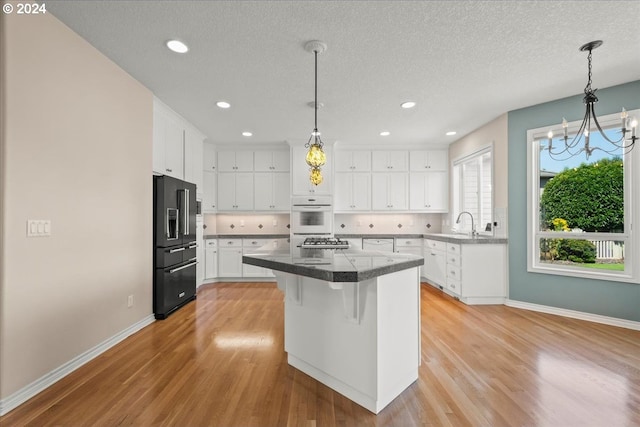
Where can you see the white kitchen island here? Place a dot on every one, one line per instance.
(352, 319)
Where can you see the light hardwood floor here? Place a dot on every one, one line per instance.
(219, 361)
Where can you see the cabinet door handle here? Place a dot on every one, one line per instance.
(169, 170)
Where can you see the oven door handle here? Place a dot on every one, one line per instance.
(182, 268)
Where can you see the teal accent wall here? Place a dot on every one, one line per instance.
(614, 299)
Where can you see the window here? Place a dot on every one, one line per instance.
(580, 210)
(472, 192)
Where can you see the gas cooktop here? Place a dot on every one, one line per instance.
(324, 243)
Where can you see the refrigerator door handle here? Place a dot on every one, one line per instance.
(173, 270)
(185, 217)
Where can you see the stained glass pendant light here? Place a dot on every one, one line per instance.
(315, 156)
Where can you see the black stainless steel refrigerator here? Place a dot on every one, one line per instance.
(174, 258)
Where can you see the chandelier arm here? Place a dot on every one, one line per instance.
(595, 119)
(576, 139)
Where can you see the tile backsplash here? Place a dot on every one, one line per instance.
(246, 224)
(405, 223)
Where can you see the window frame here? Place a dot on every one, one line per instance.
(631, 211)
(458, 194)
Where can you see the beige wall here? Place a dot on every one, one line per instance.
(77, 144)
(495, 132)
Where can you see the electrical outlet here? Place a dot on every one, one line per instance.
(130, 301)
(275, 222)
(242, 223)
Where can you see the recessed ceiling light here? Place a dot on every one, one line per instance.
(450, 133)
(408, 104)
(223, 104)
(385, 133)
(247, 134)
(177, 46)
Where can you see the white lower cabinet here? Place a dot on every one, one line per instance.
(474, 273)
(435, 264)
(251, 245)
(223, 257)
(409, 246)
(230, 258)
(211, 259)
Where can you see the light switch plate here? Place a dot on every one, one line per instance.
(38, 227)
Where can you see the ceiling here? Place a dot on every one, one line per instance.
(463, 62)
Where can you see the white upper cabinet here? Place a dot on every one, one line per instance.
(301, 186)
(390, 191)
(235, 161)
(177, 146)
(168, 142)
(271, 161)
(235, 191)
(429, 191)
(353, 161)
(209, 190)
(209, 161)
(428, 161)
(353, 191)
(390, 161)
(272, 191)
(193, 153)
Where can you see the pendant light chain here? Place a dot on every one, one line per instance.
(315, 102)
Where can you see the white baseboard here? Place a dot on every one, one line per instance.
(597, 318)
(18, 398)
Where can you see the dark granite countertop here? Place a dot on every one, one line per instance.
(246, 236)
(379, 236)
(465, 239)
(333, 265)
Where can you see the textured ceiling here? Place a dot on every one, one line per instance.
(463, 62)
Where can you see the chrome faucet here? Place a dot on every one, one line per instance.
(473, 227)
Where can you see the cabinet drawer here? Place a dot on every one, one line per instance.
(453, 248)
(259, 243)
(435, 244)
(400, 242)
(230, 243)
(453, 259)
(209, 243)
(454, 286)
(453, 272)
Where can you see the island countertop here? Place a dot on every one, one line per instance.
(333, 265)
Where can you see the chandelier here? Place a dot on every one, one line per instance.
(580, 142)
(315, 156)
